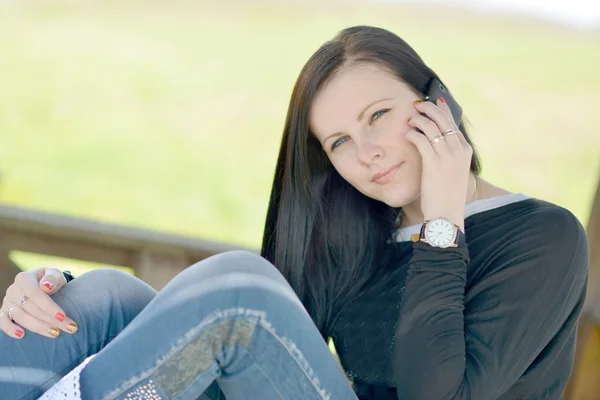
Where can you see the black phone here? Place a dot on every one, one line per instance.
(436, 89)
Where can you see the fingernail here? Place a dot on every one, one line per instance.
(54, 332)
(60, 316)
(47, 285)
(418, 101)
(441, 100)
(19, 333)
(72, 327)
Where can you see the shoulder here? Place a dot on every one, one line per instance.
(548, 222)
(549, 233)
(535, 247)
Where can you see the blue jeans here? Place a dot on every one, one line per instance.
(227, 327)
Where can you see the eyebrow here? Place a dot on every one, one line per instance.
(359, 118)
(362, 113)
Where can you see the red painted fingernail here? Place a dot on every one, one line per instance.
(60, 316)
(19, 333)
(441, 100)
(47, 285)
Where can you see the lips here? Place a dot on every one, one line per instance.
(387, 175)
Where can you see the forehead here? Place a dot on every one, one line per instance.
(340, 101)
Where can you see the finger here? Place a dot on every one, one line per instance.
(456, 140)
(29, 322)
(52, 280)
(422, 144)
(431, 131)
(58, 319)
(452, 139)
(444, 107)
(10, 328)
(427, 126)
(40, 305)
(434, 112)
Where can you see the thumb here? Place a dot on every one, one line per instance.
(52, 280)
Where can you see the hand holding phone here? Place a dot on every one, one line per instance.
(445, 163)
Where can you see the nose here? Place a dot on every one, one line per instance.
(368, 152)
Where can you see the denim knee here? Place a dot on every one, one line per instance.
(104, 300)
(112, 284)
(235, 261)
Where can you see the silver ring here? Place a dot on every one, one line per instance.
(23, 300)
(9, 313)
(450, 132)
(436, 139)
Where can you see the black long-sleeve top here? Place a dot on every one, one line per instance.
(495, 319)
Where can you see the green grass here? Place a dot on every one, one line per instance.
(169, 117)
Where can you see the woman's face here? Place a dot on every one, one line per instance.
(361, 118)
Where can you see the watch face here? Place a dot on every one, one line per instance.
(440, 232)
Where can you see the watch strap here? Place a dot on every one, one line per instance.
(68, 276)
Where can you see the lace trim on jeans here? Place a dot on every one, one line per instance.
(68, 387)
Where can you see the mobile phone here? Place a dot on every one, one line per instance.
(436, 89)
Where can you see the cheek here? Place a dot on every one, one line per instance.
(395, 125)
(392, 135)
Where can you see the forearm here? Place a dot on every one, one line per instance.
(430, 337)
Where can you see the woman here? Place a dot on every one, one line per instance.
(375, 197)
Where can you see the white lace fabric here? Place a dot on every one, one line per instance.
(68, 387)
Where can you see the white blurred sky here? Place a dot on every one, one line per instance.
(580, 13)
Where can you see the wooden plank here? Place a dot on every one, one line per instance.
(593, 234)
(68, 248)
(29, 222)
(156, 269)
(585, 383)
(149, 265)
(88, 240)
(8, 269)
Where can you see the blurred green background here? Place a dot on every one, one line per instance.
(169, 115)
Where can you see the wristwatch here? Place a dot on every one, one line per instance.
(440, 232)
(68, 276)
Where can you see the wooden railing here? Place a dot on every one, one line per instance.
(155, 257)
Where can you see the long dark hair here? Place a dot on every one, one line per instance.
(327, 238)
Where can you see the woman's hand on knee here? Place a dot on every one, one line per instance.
(28, 306)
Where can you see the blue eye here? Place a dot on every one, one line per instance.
(377, 114)
(338, 142)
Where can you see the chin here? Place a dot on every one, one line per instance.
(396, 197)
(395, 203)
(396, 194)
